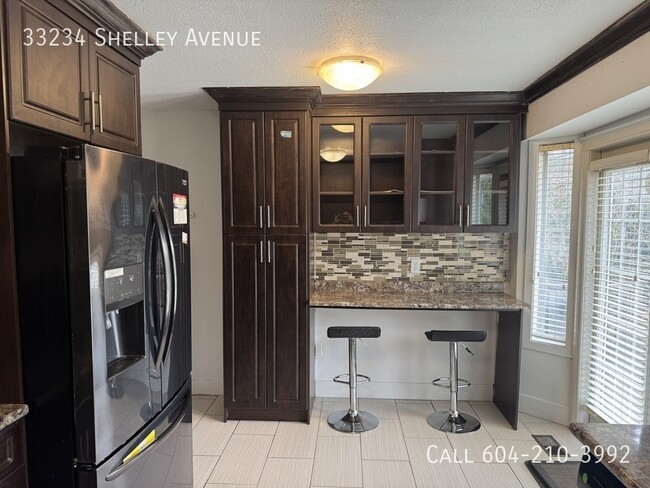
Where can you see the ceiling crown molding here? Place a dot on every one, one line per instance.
(104, 13)
(631, 26)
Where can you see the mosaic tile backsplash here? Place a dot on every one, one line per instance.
(443, 257)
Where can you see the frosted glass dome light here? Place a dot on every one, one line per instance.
(349, 73)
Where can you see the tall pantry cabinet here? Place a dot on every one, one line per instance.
(265, 173)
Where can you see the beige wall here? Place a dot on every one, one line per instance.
(190, 139)
(623, 73)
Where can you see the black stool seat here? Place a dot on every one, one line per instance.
(456, 335)
(353, 332)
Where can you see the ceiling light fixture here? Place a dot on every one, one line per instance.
(349, 73)
(345, 129)
(333, 155)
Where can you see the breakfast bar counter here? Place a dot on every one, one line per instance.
(445, 296)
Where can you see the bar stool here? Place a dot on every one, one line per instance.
(352, 420)
(452, 420)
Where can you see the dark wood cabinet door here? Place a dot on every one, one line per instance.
(242, 172)
(285, 136)
(336, 174)
(491, 162)
(438, 164)
(286, 322)
(244, 336)
(115, 82)
(49, 81)
(386, 173)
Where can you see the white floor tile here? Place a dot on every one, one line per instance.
(337, 463)
(481, 475)
(431, 466)
(250, 427)
(497, 426)
(386, 442)
(203, 466)
(242, 460)
(413, 417)
(380, 408)
(211, 435)
(286, 473)
(217, 407)
(295, 440)
(387, 474)
(472, 446)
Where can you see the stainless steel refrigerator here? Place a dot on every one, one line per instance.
(103, 265)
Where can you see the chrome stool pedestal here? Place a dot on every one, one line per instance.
(452, 420)
(353, 419)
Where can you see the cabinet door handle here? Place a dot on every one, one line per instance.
(356, 222)
(268, 251)
(460, 216)
(467, 217)
(365, 215)
(101, 115)
(261, 251)
(92, 111)
(261, 217)
(268, 216)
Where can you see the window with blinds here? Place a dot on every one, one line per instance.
(617, 318)
(552, 241)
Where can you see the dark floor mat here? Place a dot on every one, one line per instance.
(555, 475)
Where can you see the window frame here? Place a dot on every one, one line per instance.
(567, 350)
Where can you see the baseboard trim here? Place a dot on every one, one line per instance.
(206, 387)
(405, 391)
(544, 409)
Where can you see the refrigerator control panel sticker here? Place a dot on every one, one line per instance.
(140, 447)
(113, 273)
(180, 208)
(123, 286)
(184, 238)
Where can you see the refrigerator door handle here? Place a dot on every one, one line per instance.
(170, 291)
(120, 469)
(149, 266)
(172, 279)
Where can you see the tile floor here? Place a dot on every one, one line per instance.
(402, 452)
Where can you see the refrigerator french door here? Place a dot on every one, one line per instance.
(104, 316)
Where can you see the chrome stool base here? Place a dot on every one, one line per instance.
(461, 424)
(343, 421)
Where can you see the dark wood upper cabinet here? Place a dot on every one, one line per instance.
(116, 82)
(48, 82)
(63, 82)
(264, 172)
(491, 173)
(336, 174)
(438, 168)
(386, 174)
(362, 174)
(285, 142)
(242, 171)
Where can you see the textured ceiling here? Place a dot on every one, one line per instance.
(424, 45)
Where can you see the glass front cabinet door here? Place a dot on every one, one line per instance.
(438, 156)
(490, 173)
(386, 185)
(336, 199)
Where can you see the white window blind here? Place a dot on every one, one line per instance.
(552, 241)
(617, 318)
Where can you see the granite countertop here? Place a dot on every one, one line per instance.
(449, 297)
(636, 472)
(11, 412)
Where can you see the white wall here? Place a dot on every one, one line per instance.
(623, 73)
(402, 362)
(190, 139)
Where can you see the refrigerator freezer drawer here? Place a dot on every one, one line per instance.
(160, 455)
